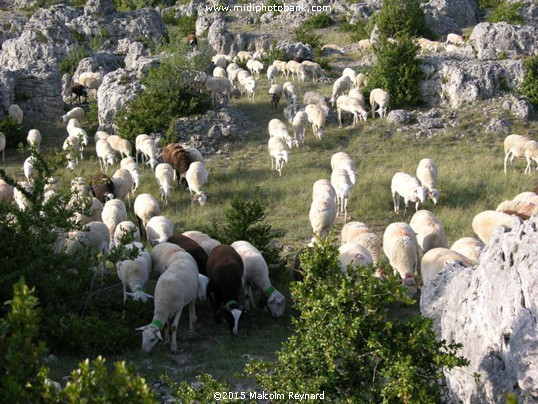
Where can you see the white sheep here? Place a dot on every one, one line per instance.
(20, 199)
(194, 153)
(313, 69)
(351, 105)
(219, 72)
(409, 188)
(429, 231)
(427, 175)
(72, 146)
(121, 145)
(531, 153)
(323, 188)
(361, 81)
(125, 233)
(255, 67)
(436, 259)
(455, 39)
(357, 94)
(353, 254)
(164, 173)
(379, 98)
(220, 60)
(294, 68)
(134, 273)
(83, 139)
(523, 205)
(76, 113)
(145, 207)
(196, 177)
(360, 233)
(94, 236)
(162, 255)
(250, 84)
(28, 169)
(311, 97)
(100, 134)
(342, 185)
(340, 86)
(300, 121)
(3, 146)
(275, 93)
(176, 288)
(322, 215)
(364, 45)
(278, 150)
(159, 229)
(231, 67)
(34, 138)
(351, 73)
(105, 154)
(130, 164)
(123, 184)
(343, 160)
(15, 112)
(290, 92)
(114, 212)
(427, 45)
(316, 116)
(277, 128)
(469, 247)
(281, 66)
(272, 74)
(91, 80)
(256, 275)
(147, 147)
(484, 223)
(401, 248)
(6, 191)
(204, 240)
(215, 85)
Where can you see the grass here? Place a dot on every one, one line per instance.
(470, 178)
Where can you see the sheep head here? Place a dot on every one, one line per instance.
(201, 197)
(231, 312)
(274, 301)
(203, 281)
(151, 334)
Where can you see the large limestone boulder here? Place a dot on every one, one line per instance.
(7, 90)
(491, 309)
(501, 40)
(446, 16)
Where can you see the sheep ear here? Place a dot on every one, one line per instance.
(158, 334)
(148, 296)
(141, 328)
(130, 294)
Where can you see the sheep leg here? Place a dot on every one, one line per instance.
(247, 292)
(339, 117)
(396, 201)
(173, 345)
(193, 319)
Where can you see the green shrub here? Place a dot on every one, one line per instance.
(130, 5)
(306, 36)
(505, 12)
(320, 20)
(360, 30)
(13, 132)
(397, 71)
(529, 86)
(347, 344)
(70, 63)
(204, 393)
(398, 17)
(185, 24)
(272, 54)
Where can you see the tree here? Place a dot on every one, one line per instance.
(400, 17)
(529, 86)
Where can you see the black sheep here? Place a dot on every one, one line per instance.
(102, 187)
(79, 91)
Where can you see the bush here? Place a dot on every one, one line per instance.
(320, 20)
(185, 24)
(130, 5)
(400, 17)
(306, 36)
(70, 63)
(360, 30)
(397, 71)
(273, 54)
(205, 393)
(529, 86)
(506, 12)
(347, 343)
(13, 132)
(170, 91)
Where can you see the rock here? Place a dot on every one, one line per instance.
(499, 126)
(298, 49)
(446, 16)
(522, 109)
(399, 117)
(501, 40)
(491, 310)
(99, 8)
(218, 37)
(431, 120)
(11, 25)
(7, 91)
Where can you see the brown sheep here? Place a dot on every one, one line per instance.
(180, 160)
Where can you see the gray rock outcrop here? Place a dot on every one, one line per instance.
(491, 309)
(399, 117)
(446, 16)
(502, 40)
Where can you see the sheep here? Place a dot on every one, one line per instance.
(409, 188)
(134, 273)
(469, 247)
(193, 42)
(290, 92)
(455, 39)
(145, 207)
(94, 235)
(193, 153)
(323, 188)
(105, 154)
(531, 153)
(353, 254)
(206, 242)
(297, 70)
(176, 288)
(130, 164)
(220, 60)
(429, 231)
(322, 215)
(272, 73)
(235, 75)
(351, 105)
(250, 84)
(193, 248)
(311, 97)
(277, 128)
(196, 177)
(123, 184)
(379, 98)
(100, 134)
(361, 80)
(430, 46)
(125, 233)
(364, 45)
(275, 92)
(72, 146)
(281, 66)
(256, 275)
(75, 113)
(3, 145)
(300, 121)
(484, 223)
(343, 160)
(359, 96)
(523, 206)
(219, 72)
(436, 259)
(95, 210)
(329, 48)
(313, 69)
(278, 151)
(164, 173)
(90, 80)
(102, 187)
(175, 155)
(28, 168)
(159, 229)
(342, 185)
(114, 212)
(427, 175)
(316, 116)
(230, 68)
(225, 270)
(122, 146)
(351, 73)
(400, 245)
(340, 86)
(15, 112)
(215, 85)
(34, 138)
(79, 90)
(6, 191)
(162, 255)
(18, 195)
(360, 233)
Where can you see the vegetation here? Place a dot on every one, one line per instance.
(129, 5)
(529, 86)
(397, 71)
(360, 30)
(501, 10)
(13, 132)
(401, 17)
(307, 36)
(70, 63)
(319, 20)
(184, 24)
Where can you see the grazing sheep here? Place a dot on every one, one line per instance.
(164, 173)
(278, 151)
(361, 81)
(102, 187)
(105, 154)
(351, 105)
(94, 236)
(220, 60)
(359, 96)
(277, 128)
(196, 177)
(147, 147)
(313, 69)
(256, 275)
(275, 92)
(219, 72)
(129, 163)
(205, 241)
(484, 223)
(114, 212)
(281, 66)
(194, 153)
(427, 175)
(409, 188)
(323, 188)
(216, 86)
(230, 68)
(290, 92)
(316, 116)
(176, 288)
(524, 205)
(379, 98)
(250, 84)
(364, 45)
(322, 215)
(430, 46)
(353, 254)
(19, 197)
(436, 259)
(455, 39)
(34, 138)
(300, 121)
(340, 86)
(75, 113)
(79, 90)
(311, 97)
(175, 155)
(134, 273)
(100, 134)
(91, 80)
(145, 207)
(28, 169)
(272, 73)
(401, 248)
(225, 270)
(351, 73)
(193, 42)
(193, 248)
(15, 112)
(342, 185)
(242, 56)
(123, 184)
(294, 68)
(126, 232)
(6, 191)
(159, 229)
(429, 231)
(531, 153)
(3, 146)
(122, 146)
(343, 160)
(360, 233)
(162, 255)
(469, 247)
